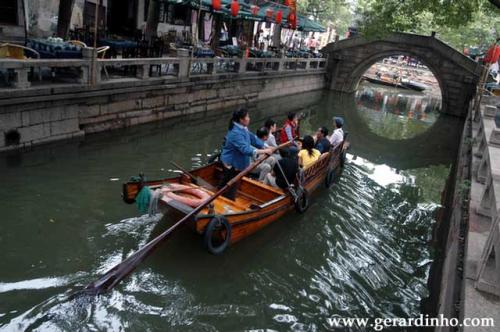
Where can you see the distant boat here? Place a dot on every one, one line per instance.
(403, 84)
(413, 85)
(383, 81)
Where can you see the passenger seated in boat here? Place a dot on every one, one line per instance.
(322, 143)
(308, 155)
(267, 165)
(270, 125)
(289, 130)
(288, 165)
(240, 146)
(337, 136)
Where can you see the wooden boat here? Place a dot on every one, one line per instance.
(384, 81)
(255, 205)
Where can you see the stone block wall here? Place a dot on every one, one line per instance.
(27, 121)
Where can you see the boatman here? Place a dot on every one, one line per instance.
(239, 147)
(337, 136)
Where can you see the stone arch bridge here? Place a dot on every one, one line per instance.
(457, 74)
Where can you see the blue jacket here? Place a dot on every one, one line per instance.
(239, 147)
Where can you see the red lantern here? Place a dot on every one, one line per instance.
(286, 3)
(279, 17)
(492, 55)
(269, 13)
(235, 8)
(216, 4)
(292, 20)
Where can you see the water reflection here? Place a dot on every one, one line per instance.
(396, 114)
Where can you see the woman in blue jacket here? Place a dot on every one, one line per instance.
(240, 146)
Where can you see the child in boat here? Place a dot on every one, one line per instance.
(267, 165)
(240, 146)
(308, 155)
(285, 170)
(270, 125)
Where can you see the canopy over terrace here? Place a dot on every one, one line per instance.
(303, 23)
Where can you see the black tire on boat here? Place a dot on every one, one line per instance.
(330, 178)
(302, 203)
(343, 157)
(216, 224)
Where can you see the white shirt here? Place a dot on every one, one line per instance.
(271, 141)
(337, 137)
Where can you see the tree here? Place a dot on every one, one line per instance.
(335, 12)
(458, 22)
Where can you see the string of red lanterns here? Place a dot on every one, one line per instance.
(291, 18)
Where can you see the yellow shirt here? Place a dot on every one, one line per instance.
(308, 160)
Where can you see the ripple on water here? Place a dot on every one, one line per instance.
(360, 251)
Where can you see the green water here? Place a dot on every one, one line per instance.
(361, 250)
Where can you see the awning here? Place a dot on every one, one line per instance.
(303, 23)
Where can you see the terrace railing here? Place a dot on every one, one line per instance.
(32, 73)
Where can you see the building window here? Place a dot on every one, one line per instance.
(8, 12)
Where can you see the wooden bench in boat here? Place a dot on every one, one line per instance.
(250, 195)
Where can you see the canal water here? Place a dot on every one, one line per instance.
(361, 250)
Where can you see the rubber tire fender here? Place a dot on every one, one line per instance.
(302, 203)
(213, 225)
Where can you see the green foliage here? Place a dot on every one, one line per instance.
(333, 12)
(461, 23)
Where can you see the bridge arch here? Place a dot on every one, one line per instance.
(457, 74)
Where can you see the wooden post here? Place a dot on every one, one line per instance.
(94, 57)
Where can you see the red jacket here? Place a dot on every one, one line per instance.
(283, 136)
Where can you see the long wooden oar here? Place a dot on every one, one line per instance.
(120, 271)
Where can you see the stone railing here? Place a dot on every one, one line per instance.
(487, 172)
(22, 74)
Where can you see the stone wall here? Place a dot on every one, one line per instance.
(468, 228)
(447, 271)
(30, 120)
